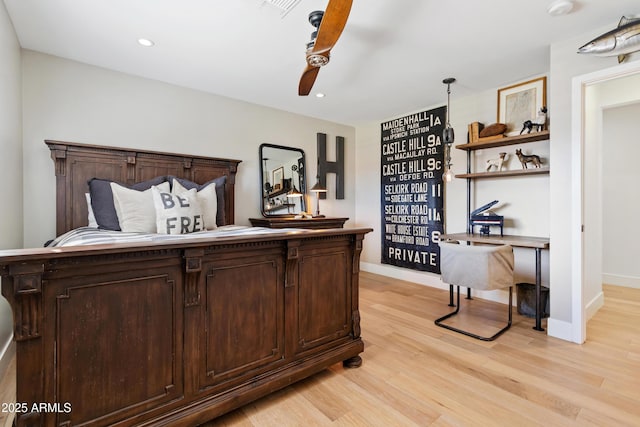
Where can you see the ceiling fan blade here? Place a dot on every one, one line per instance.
(333, 22)
(307, 80)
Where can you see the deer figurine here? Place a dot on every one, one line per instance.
(528, 158)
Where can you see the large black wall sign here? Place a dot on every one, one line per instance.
(412, 190)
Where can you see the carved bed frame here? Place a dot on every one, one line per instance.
(174, 333)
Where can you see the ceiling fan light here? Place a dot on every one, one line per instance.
(316, 60)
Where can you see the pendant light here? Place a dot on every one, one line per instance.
(448, 134)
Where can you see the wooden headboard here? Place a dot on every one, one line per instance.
(76, 164)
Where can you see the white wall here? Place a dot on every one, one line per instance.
(10, 135)
(10, 159)
(553, 214)
(524, 201)
(69, 101)
(566, 223)
(620, 201)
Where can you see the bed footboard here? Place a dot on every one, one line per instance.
(177, 333)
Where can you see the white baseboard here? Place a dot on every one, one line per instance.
(594, 305)
(620, 280)
(433, 280)
(419, 277)
(561, 329)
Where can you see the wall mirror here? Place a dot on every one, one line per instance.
(282, 171)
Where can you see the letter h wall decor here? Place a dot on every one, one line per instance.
(325, 167)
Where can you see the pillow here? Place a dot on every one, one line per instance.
(102, 200)
(91, 218)
(207, 199)
(135, 209)
(177, 213)
(219, 185)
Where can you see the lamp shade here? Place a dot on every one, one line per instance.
(294, 193)
(318, 188)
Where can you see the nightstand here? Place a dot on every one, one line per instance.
(280, 222)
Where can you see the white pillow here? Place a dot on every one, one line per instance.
(91, 218)
(207, 199)
(135, 209)
(177, 213)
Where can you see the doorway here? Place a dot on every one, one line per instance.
(592, 94)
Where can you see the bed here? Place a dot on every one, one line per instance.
(175, 331)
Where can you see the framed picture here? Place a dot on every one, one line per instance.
(278, 174)
(521, 102)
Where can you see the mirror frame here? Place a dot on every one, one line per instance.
(302, 180)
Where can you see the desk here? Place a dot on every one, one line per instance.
(537, 243)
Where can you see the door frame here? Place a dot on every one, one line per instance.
(578, 235)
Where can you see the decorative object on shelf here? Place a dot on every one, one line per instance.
(494, 129)
(448, 134)
(497, 163)
(478, 132)
(528, 158)
(520, 102)
(620, 42)
(537, 123)
(485, 219)
(474, 130)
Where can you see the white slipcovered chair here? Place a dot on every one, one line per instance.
(476, 267)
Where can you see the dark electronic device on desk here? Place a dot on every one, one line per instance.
(485, 219)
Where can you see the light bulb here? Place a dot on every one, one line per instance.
(448, 175)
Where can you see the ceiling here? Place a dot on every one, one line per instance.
(390, 60)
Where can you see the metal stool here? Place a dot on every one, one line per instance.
(477, 267)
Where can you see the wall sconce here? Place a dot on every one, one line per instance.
(318, 188)
(448, 134)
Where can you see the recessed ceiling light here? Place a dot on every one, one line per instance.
(145, 42)
(560, 7)
(319, 95)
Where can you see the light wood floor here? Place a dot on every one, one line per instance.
(417, 374)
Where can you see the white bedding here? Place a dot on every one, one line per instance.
(94, 236)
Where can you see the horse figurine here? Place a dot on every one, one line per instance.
(528, 158)
(537, 123)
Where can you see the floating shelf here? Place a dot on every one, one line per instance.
(533, 171)
(508, 140)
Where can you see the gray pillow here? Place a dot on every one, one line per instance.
(219, 183)
(102, 200)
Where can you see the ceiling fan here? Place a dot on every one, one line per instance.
(329, 25)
